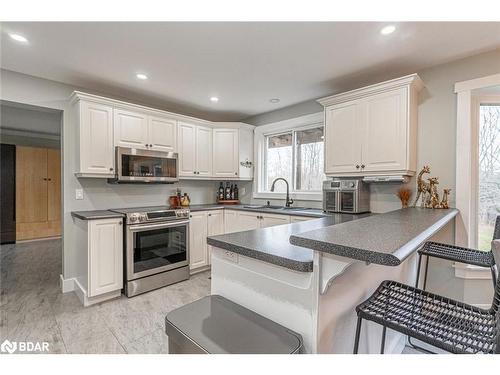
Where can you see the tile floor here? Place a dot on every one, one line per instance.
(32, 307)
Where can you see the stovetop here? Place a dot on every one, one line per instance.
(137, 215)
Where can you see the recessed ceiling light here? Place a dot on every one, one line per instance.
(141, 76)
(274, 100)
(214, 99)
(389, 29)
(18, 38)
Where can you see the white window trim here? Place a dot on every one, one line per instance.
(467, 170)
(298, 123)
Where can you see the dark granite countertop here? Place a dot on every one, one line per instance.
(95, 214)
(272, 244)
(386, 239)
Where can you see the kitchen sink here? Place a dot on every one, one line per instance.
(270, 207)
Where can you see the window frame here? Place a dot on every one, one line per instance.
(467, 168)
(261, 132)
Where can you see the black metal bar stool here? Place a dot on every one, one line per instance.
(442, 322)
(459, 254)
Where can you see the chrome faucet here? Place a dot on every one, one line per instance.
(288, 201)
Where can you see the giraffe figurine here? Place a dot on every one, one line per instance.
(422, 186)
(432, 196)
(444, 201)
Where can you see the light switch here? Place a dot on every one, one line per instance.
(79, 194)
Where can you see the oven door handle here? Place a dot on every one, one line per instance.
(140, 227)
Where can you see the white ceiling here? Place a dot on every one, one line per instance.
(244, 64)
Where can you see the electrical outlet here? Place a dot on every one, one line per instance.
(79, 194)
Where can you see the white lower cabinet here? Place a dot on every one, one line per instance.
(215, 226)
(298, 219)
(239, 221)
(198, 232)
(105, 264)
(99, 259)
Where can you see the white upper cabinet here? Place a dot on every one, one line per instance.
(131, 129)
(162, 133)
(206, 150)
(195, 150)
(342, 149)
(95, 156)
(203, 148)
(225, 153)
(372, 130)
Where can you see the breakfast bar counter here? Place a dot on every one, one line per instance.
(310, 276)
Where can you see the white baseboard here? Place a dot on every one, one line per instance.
(81, 292)
(67, 285)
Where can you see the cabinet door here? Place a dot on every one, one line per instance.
(203, 151)
(131, 129)
(97, 151)
(162, 133)
(247, 221)
(225, 153)
(31, 184)
(105, 256)
(272, 220)
(230, 221)
(385, 132)
(215, 227)
(53, 185)
(187, 149)
(342, 139)
(198, 256)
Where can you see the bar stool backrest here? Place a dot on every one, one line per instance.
(495, 248)
(496, 231)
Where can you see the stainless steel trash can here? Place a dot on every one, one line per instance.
(217, 325)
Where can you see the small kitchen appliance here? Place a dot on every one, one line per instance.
(346, 196)
(156, 247)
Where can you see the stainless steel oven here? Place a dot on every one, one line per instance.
(346, 196)
(145, 166)
(156, 248)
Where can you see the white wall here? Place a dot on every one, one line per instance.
(98, 194)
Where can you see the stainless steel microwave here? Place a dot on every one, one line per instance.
(134, 165)
(346, 196)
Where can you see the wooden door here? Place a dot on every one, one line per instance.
(31, 184)
(53, 185)
(225, 153)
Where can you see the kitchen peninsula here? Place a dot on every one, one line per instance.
(310, 276)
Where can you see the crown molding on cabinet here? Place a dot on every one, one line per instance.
(412, 80)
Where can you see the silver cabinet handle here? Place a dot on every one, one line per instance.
(362, 166)
(357, 166)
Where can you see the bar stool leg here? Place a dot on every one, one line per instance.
(358, 332)
(426, 270)
(418, 269)
(494, 276)
(382, 345)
